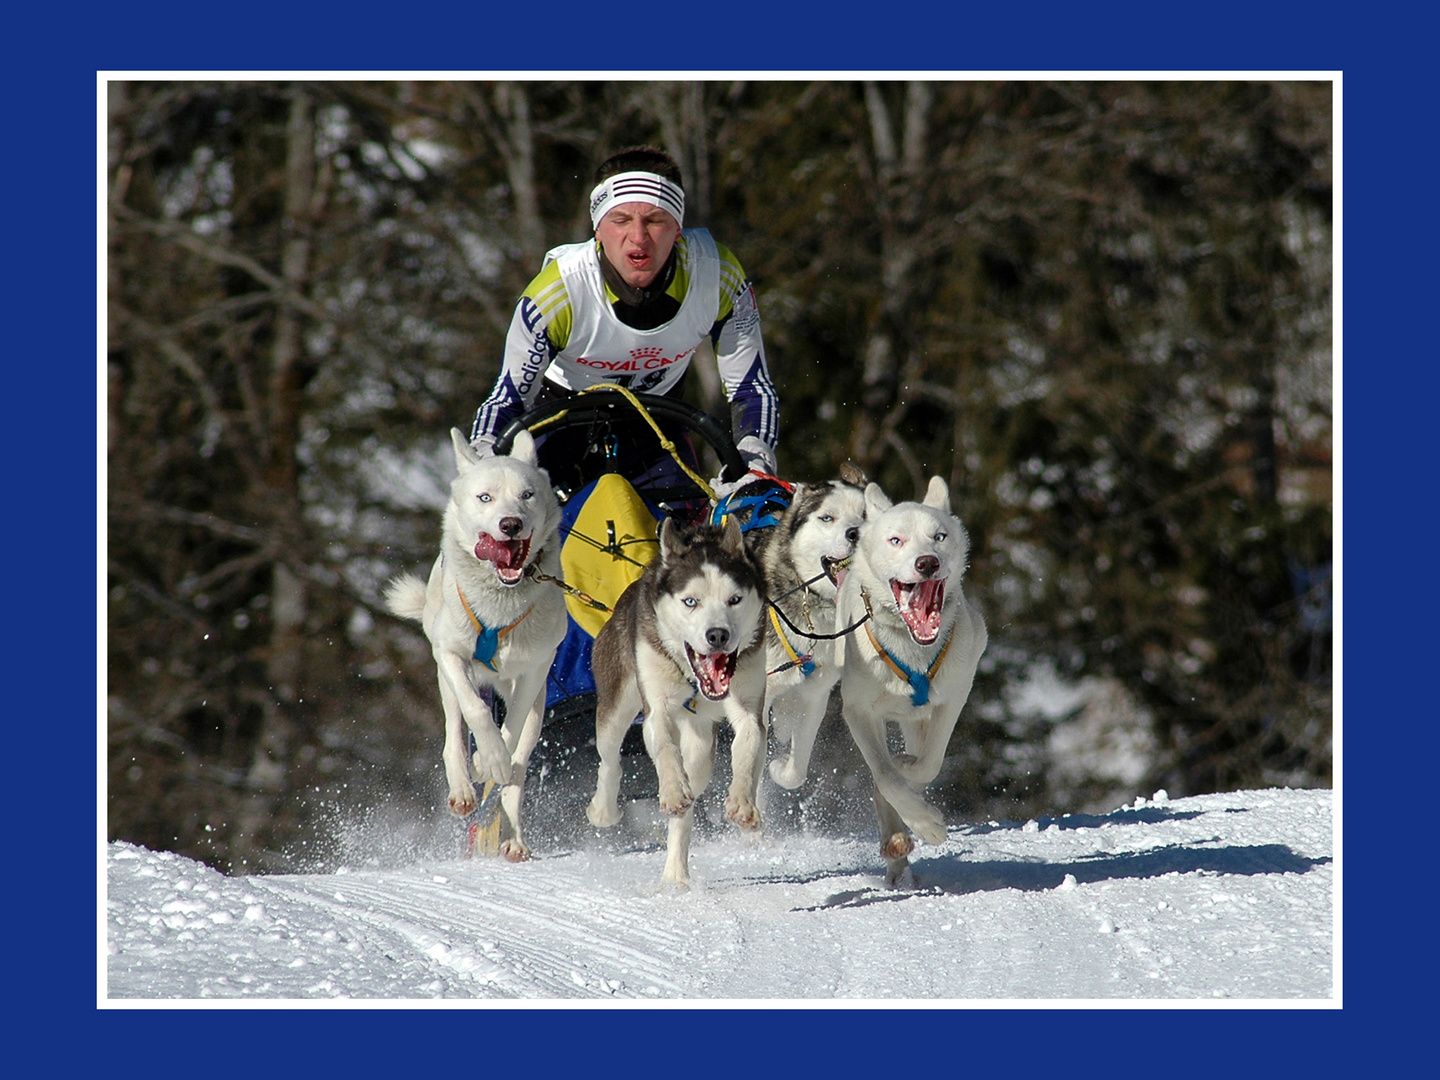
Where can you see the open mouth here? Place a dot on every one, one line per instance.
(835, 569)
(920, 603)
(508, 556)
(712, 671)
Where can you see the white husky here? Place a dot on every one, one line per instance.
(492, 625)
(685, 647)
(913, 662)
(804, 556)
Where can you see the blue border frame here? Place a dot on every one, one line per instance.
(50, 187)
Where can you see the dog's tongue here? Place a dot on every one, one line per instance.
(920, 606)
(502, 553)
(508, 556)
(714, 671)
(927, 599)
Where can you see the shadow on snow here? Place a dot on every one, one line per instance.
(954, 876)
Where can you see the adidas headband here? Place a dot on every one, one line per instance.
(641, 187)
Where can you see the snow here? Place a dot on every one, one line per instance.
(1225, 898)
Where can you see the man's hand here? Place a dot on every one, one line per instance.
(723, 488)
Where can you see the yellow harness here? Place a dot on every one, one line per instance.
(804, 661)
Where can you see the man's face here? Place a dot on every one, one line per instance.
(637, 238)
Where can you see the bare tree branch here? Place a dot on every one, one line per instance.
(125, 509)
(208, 249)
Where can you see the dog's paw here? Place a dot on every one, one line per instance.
(675, 798)
(514, 851)
(785, 774)
(743, 812)
(496, 769)
(930, 827)
(462, 804)
(602, 814)
(897, 847)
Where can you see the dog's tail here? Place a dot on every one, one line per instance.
(405, 596)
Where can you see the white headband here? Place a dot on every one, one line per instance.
(641, 187)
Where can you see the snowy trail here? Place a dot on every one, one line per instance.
(1209, 898)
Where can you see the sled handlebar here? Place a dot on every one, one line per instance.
(586, 408)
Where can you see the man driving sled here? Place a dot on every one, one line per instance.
(631, 307)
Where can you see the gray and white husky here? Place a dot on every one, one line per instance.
(913, 662)
(803, 558)
(684, 646)
(493, 627)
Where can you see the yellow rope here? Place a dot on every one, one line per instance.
(796, 660)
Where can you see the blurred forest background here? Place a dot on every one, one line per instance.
(1101, 310)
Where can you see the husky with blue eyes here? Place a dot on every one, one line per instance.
(803, 558)
(493, 622)
(912, 661)
(685, 647)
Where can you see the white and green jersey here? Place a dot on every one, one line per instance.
(565, 329)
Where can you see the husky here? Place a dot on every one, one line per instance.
(492, 622)
(912, 662)
(803, 558)
(686, 647)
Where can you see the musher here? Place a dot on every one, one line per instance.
(631, 307)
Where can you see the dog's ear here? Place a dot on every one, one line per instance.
(465, 454)
(731, 540)
(938, 494)
(523, 448)
(876, 501)
(853, 475)
(673, 541)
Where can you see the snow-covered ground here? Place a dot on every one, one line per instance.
(1218, 898)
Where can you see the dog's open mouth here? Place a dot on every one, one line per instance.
(508, 556)
(712, 671)
(920, 603)
(835, 569)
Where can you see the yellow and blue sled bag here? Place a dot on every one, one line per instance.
(609, 535)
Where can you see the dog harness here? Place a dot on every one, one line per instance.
(804, 661)
(488, 638)
(764, 502)
(919, 681)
